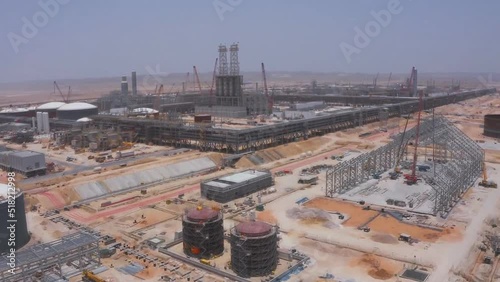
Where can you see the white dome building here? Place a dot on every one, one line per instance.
(50, 107)
(77, 110)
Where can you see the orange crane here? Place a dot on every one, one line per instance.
(197, 78)
(485, 182)
(213, 82)
(269, 99)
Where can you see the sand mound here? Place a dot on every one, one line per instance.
(378, 268)
(312, 216)
(281, 152)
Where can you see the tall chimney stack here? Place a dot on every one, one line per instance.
(134, 83)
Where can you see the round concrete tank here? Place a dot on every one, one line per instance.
(75, 111)
(492, 125)
(254, 249)
(12, 206)
(203, 232)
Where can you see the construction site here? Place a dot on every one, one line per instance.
(234, 182)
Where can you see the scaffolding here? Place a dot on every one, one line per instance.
(458, 166)
(38, 262)
(184, 134)
(203, 237)
(254, 254)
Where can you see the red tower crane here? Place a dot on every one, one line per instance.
(213, 81)
(269, 99)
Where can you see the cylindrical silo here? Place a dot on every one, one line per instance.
(12, 218)
(46, 124)
(203, 232)
(254, 249)
(39, 122)
(492, 125)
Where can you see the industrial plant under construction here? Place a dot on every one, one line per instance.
(235, 180)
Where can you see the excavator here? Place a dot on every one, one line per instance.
(89, 276)
(485, 182)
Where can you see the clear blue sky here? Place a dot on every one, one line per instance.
(94, 38)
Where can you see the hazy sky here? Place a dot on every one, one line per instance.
(94, 38)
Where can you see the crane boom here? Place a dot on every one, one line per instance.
(197, 78)
(413, 178)
(213, 81)
(269, 99)
(65, 99)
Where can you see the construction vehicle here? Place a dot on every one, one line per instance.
(377, 175)
(327, 276)
(100, 159)
(89, 276)
(423, 168)
(394, 175)
(485, 183)
(205, 261)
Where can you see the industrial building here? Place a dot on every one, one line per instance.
(307, 106)
(14, 126)
(27, 163)
(77, 110)
(230, 101)
(17, 112)
(492, 125)
(22, 235)
(230, 140)
(234, 186)
(254, 249)
(203, 232)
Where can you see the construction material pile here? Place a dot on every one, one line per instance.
(317, 169)
(312, 215)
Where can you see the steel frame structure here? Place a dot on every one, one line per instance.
(452, 176)
(80, 246)
(183, 134)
